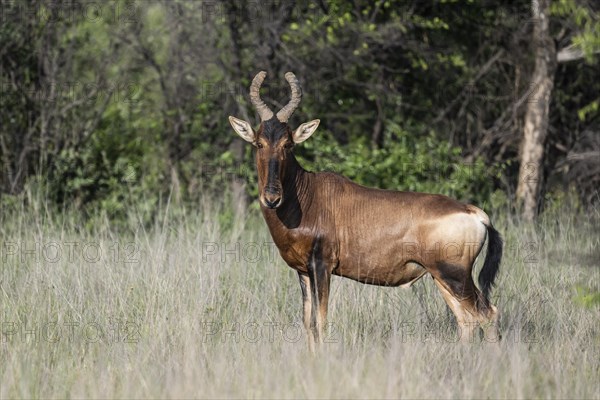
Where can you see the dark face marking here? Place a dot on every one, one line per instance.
(273, 130)
(273, 142)
(273, 177)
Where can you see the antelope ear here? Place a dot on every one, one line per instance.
(305, 130)
(243, 129)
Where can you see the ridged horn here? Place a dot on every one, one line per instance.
(286, 112)
(263, 110)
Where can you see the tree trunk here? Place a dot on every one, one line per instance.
(536, 117)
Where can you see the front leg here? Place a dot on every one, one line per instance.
(315, 298)
(320, 278)
(307, 309)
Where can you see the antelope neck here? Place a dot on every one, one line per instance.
(297, 182)
(297, 193)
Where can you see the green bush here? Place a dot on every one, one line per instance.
(405, 161)
(113, 169)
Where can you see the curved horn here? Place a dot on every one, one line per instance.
(263, 111)
(286, 112)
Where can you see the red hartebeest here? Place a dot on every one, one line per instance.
(324, 224)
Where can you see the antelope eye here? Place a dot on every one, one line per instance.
(259, 145)
(288, 145)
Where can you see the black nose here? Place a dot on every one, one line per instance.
(272, 203)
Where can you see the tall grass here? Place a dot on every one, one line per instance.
(201, 306)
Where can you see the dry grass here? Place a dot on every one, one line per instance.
(180, 321)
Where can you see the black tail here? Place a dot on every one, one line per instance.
(487, 276)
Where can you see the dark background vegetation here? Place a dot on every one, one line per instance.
(128, 203)
(108, 104)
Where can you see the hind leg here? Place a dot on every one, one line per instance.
(489, 324)
(467, 322)
(471, 308)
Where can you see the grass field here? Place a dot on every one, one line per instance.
(194, 307)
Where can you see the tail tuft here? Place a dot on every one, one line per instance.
(488, 273)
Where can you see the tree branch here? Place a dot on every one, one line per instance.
(571, 53)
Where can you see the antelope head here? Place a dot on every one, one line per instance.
(274, 140)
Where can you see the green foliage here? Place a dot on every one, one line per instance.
(112, 170)
(589, 111)
(169, 73)
(587, 297)
(588, 37)
(405, 161)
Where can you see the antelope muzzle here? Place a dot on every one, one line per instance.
(272, 193)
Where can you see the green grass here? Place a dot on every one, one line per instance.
(179, 321)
